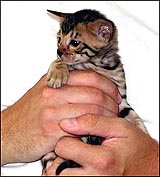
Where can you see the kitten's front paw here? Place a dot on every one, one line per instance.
(57, 78)
(57, 75)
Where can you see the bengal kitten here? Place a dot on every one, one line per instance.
(87, 40)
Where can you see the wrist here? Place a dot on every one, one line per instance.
(145, 163)
(155, 161)
(151, 163)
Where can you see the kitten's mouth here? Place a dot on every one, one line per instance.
(70, 61)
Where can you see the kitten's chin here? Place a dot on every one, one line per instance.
(72, 61)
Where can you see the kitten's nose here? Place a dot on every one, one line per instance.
(59, 53)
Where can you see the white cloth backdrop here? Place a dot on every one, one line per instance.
(28, 46)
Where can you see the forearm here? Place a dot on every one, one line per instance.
(6, 149)
(155, 163)
(15, 143)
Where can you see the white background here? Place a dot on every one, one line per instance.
(28, 46)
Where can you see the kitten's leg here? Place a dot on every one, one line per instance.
(47, 160)
(138, 121)
(57, 74)
(66, 164)
(128, 113)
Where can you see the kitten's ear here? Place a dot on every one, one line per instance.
(101, 28)
(59, 16)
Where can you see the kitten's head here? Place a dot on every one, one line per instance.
(82, 35)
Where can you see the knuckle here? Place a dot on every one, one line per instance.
(95, 95)
(101, 162)
(91, 123)
(95, 77)
(115, 109)
(114, 90)
(46, 92)
(107, 160)
(99, 97)
(59, 149)
(96, 109)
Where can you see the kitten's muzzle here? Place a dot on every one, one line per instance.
(60, 53)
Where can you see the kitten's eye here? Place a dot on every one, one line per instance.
(74, 43)
(58, 40)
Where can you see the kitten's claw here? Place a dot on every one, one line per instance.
(57, 81)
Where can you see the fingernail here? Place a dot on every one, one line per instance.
(119, 98)
(68, 123)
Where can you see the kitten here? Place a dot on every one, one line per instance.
(87, 40)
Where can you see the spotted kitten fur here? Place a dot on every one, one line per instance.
(87, 40)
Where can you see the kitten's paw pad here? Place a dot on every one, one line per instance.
(57, 78)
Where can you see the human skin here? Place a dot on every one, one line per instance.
(126, 150)
(30, 127)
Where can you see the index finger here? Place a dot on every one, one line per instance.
(72, 148)
(93, 79)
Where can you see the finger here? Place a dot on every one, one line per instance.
(83, 94)
(93, 79)
(78, 151)
(95, 125)
(76, 110)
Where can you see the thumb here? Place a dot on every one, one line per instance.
(92, 125)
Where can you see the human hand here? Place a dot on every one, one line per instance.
(125, 151)
(30, 127)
